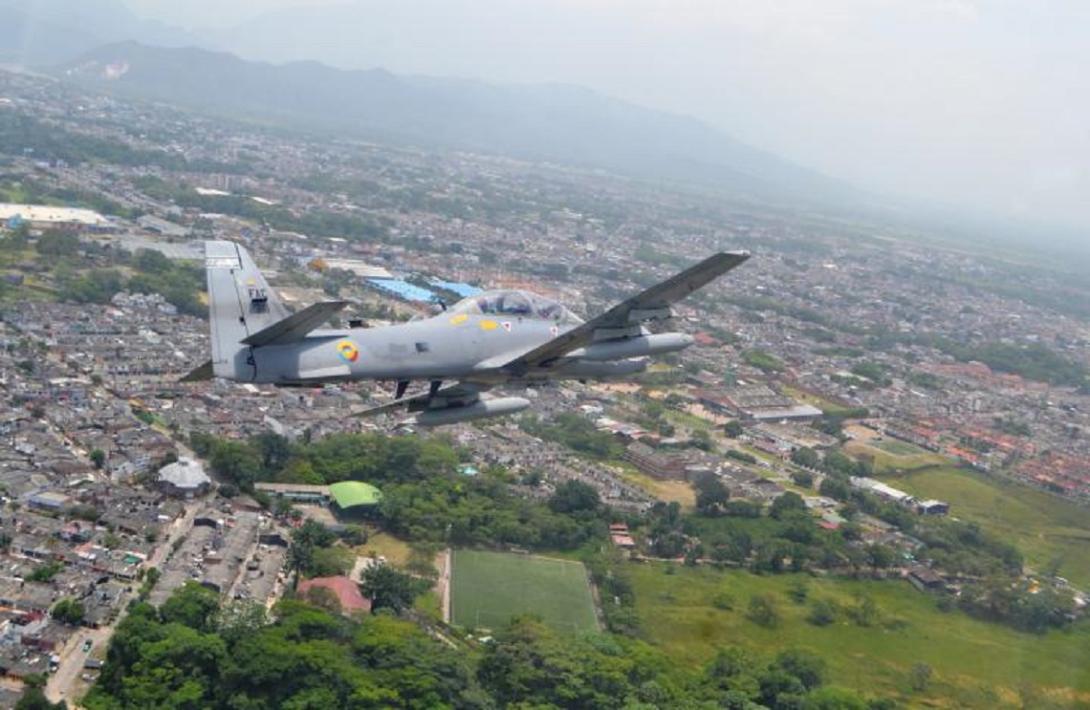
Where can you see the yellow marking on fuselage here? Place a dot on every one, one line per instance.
(489, 325)
(459, 319)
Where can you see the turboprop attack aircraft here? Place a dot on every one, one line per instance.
(494, 338)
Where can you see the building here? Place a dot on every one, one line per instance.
(655, 463)
(925, 579)
(344, 589)
(185, 477)
(297, 492)
(756, 403)
(358, 268)
(161, 226)
(621, 537)
(49, 217)
(932, 507)
(49, 500)
(403, 290)
(882, 490)
(355, 495)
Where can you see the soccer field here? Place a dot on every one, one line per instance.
(488, 588)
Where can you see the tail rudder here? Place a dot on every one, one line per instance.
(240, 304)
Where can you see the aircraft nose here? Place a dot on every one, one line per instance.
(687, 340)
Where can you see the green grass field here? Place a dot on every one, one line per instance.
(488, 588)
(1050, 531)
(895, 458)
(975, 664)
(898, 448)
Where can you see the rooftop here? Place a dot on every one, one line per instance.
(347, 592)
(184, 473)
(348, 494)
(49, 213)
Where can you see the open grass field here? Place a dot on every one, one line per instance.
(488, 588)
(897, 447)
(665, 490)
(1050, 531)
(887, 460)
(380, 544)
(975, 664)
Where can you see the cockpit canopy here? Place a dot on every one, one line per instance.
(515, 304)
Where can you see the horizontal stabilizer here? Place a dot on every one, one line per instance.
(199, 374)
(296, 326)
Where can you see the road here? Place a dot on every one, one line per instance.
(443, 562)
(66, 684)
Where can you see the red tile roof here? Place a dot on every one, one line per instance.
(347, 592)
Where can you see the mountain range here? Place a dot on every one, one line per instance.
(93, 43)
(37, 33)
(544, 122)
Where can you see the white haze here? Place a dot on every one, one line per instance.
(979, 105)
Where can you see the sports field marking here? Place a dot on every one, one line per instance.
(488, 588)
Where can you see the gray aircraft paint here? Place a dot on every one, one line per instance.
(255, 338)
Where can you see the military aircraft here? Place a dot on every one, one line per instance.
(491, 339)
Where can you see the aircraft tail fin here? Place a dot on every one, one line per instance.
(240, 304)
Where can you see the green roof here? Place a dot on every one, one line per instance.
(349, 494)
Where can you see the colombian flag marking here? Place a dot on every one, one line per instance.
(348, 351)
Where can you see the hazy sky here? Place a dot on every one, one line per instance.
(983, 103)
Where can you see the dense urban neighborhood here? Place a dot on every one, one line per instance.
(862, 407)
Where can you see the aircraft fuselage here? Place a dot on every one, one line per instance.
(443, 347)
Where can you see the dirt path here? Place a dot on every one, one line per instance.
(442, 584)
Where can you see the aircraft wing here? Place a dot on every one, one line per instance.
(296, 326)
(652, 304)
(199, 374)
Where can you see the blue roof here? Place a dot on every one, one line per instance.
(462, 289)
(403, 289)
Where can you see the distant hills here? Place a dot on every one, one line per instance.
(47, 32)
(555, 123)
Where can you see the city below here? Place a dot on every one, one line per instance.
(875, 433)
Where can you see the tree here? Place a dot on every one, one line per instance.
(805, 457)
(865, 612)
(192, 605)
(834, 488)
(919, 677)
(274, 450)
(785, 504)
(57, 243)
(733, 429)
(822, 613)
(324, 598)
(574, 496)
(33, 698)
(237, 462)
(879, 556)
(762, 611)
(702, 440)
(807, 667)
(330, 561)
(98, 458)
(68, 611)
(388, 588)
(803, 478)
(711, 494)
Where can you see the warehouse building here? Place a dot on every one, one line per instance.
(50, 217)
